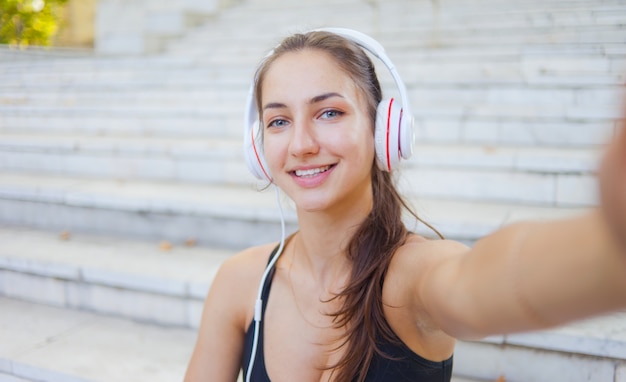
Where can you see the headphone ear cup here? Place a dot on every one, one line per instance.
(407, 135)
(253, 153)
(387, 137)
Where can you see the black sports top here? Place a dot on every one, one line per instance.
(404, 367)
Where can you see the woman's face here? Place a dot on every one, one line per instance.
(318, 139)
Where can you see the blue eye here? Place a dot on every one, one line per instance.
(329, 114)
(277, 123)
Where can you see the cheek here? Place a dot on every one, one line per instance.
(356, 148)
(362, 143)
(272, 150)
(370, 151)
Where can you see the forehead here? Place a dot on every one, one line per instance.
(307, 69)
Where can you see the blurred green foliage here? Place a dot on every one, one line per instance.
(29, 22)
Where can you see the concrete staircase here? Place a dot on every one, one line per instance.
(122, 184)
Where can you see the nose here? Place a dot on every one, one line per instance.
(303, 140)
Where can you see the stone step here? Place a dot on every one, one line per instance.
(57, 60)
(93, 66)
(32, 53)
(51, 344)
(525, 132)
(591, 350)
(427, 34)
(518, 94)
(535, 72)
(130, 78)
(214, 215)
(502, 17)
(513, 27)
(240, 216)
(524, 183)
(216, 161)
(162, 97)
(173, 124)
(414, 27)
(147, 281)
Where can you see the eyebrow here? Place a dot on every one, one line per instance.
(316, 99)
(274, 105)
(323, 97)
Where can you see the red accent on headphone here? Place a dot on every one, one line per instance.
(256, 154)
(387, 138)
(400, 134)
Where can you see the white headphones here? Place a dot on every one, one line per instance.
(394, 126)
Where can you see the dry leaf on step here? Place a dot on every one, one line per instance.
(165, 245)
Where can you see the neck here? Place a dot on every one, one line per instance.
(322, 241)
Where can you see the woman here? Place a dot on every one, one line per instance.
(354, 295)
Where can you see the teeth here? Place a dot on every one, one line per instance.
(312, 171)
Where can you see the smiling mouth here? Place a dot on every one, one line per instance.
(311, 172)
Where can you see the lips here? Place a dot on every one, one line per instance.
(311, 172)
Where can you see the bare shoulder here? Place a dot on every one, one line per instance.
(245, 267)
(421, 253)
(416, 258)
(247, 263)
(237, 280)
(410, 320)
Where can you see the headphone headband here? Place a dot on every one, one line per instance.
(394, 123)
(374, 47)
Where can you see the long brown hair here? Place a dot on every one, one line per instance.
(379, 235)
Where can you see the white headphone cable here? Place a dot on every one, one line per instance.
(258, 305)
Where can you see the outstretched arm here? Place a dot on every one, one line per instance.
(535, 275)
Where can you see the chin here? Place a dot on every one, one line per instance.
(311, 206)
(314, 204)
